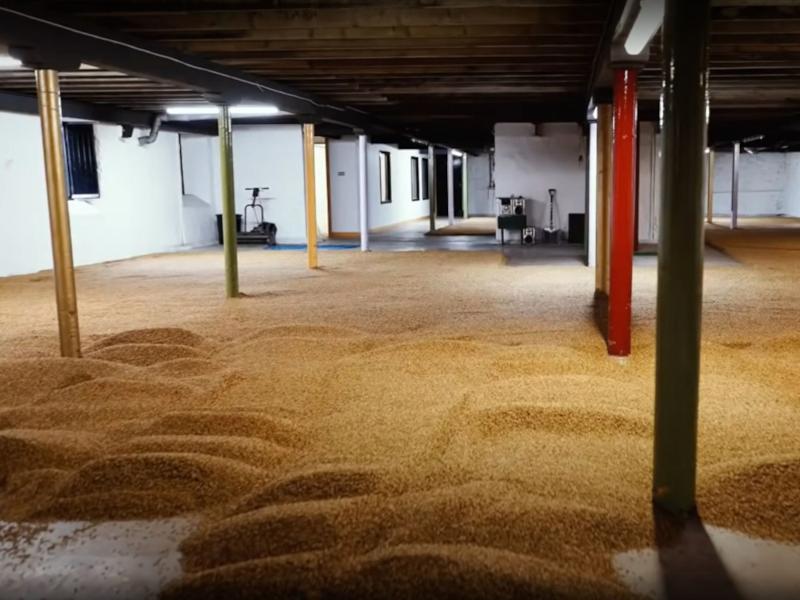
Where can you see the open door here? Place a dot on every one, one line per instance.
(321, 175)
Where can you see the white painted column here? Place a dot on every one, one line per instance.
(432, 195)
(363, 205)
(465, 185)
(591, 202)
(737, 147)
(451, 203)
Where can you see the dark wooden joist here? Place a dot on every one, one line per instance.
(72, 109)
(55, 34)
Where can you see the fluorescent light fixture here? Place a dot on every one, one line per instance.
(256, 110)
(208, 110)
(9, 62)
(648, 22)
(191, 111)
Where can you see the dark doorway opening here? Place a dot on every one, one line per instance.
(441, 186)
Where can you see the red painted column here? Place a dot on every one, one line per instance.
(622, 213)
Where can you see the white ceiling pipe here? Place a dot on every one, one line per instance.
(9, 62)
(647, 22)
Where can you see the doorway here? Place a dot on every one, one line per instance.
(321, 176)
(441, 186)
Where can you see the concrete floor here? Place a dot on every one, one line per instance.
(135, 560)
(411, 237)
(123, 560)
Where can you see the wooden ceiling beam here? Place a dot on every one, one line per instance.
(122, 8)
(476, 32)
(367, 17)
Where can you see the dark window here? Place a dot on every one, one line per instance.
(414, 178)
(426, 194)
(81, 160)
(385, 167)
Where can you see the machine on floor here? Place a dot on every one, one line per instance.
(263, 232)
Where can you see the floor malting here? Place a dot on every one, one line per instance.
(432, 424)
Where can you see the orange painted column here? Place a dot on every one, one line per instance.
(622, 213)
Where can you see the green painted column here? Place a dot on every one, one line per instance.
(228, 203)
(680, 266)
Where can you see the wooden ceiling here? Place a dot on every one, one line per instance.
(441, 69)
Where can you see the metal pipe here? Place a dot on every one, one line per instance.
(432, 195)
(363, 205)
(464, 187)
(737, 151)
(680, 262)
(451, 206)
(155, 129)
(623, 213)
(710, 188)
(49, 93)
(229, 233)
(311, 195)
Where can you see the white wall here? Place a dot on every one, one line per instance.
(202, 187)
(481, 198)
(649, 182)
(263, 156)
(762, 181)
(343, 160)
(139, 210)
(528, 165)
(344, 187)
(401, 208)
(790, 203)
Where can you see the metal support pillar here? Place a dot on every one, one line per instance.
(680, 263)
(710, 188)
(464, 187)
(49, 92)
(229, 232)
(591, 197)
(604, 192)
(433, 208)
(363, 205)
(311, 195)
(622, 213)
(451, 202)
(737, 152)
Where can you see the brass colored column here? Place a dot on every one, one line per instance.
(60, 236)
(229, 232)
(604, 194)
(311, 195)
(685, 37)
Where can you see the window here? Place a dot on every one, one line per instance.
(426, 193)
(81, 161)
(414, 178)
(385, 166)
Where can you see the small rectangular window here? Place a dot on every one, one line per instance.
(414, 178)
(385, 168)
(81, 161)
(426, 194)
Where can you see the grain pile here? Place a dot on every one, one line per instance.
(409, 425)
